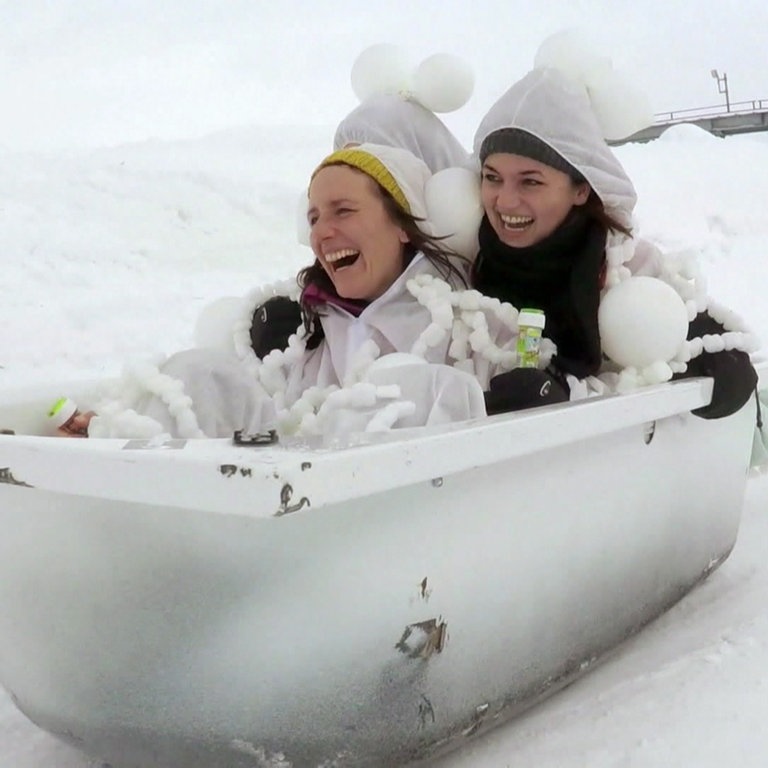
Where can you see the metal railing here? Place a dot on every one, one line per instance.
(717, 110)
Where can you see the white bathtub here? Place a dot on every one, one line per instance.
(202, 605)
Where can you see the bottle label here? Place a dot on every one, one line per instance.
(528, 344)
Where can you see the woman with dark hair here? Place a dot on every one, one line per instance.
(556, 235)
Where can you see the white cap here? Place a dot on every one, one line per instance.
(533, 318)
(62, 411)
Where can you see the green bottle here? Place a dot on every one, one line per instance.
(530, 324)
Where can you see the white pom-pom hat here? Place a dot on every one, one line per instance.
(445, 205)
(620, 106)
(396, 121)
(556, 111)
(396, 170)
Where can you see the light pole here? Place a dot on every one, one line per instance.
(722, 87)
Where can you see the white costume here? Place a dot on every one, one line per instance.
(396, 121)
(454, 342)
(538, 105)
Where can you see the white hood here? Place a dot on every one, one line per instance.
(557, 110)
(394, 121)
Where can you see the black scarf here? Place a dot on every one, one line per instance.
(560, 275)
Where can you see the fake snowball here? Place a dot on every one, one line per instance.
(215, 323)
(620, 105)
(642, 321)
(382, 68)
(443, 82)
(454, 209)
(573, 53)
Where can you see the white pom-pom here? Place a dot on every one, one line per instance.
(642, 321)
(215, 323)
(454, 209)
(657, 373)
(469, 301)
(572, 52)
(433, 335)
(713, 344)
(443, 82)
(382, 68)
(620, 106)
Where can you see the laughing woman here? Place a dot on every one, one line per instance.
(389, 337)
(556, 235)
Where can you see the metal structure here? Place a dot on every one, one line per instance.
(719, 119)
(722, 87)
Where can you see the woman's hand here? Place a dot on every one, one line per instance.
(77, 426)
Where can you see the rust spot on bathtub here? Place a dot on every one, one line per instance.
(648, 432)
(426, 711)
(230, 470)
(423, 639)
(477, 719)
(6, 476)
(285, 508)
(305, 465)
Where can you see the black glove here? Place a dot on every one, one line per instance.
(734, 375)
(273, 323)
(525, 388)
(735, 381)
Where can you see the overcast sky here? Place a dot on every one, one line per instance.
(95, 72)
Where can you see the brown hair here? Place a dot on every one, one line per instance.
(440, 256)
(595, 210)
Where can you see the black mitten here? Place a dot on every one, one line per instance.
(735, 381)
(273, 323)
(524, 388)
(734, 375)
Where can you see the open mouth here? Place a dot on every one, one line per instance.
(340, 259)
(516, 223)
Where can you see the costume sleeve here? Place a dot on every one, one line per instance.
(735, 377)
(195, 393)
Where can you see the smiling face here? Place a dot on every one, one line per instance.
(352, 233)
(526, 200)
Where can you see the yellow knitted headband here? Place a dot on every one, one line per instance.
(371, 166)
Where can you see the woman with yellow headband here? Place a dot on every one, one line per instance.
(389, 336)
